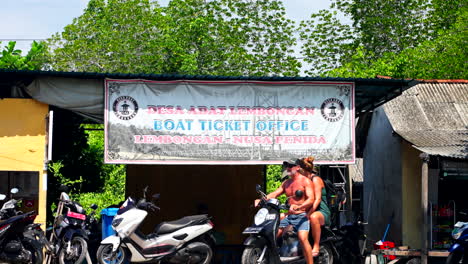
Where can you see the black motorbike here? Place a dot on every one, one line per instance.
(68, 241)
(262, 246)
(15, 245)
(352, 243)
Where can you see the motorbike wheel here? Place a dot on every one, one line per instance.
(104, 255)
(202, 253)
(454, 257)
(35, 248)
(325, 255)
(252, 254)
(79, 248)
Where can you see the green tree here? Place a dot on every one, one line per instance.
(225, 37)
(11, 58)
(379, 29)
(90, 181)
(441, 58)
(326, 41)
(274, 179)
(78, 154)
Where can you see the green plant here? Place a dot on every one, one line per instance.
(273, 179)
(109, 185)
(11, 58)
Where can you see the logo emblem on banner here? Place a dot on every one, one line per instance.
(332, 109)
(125, 107)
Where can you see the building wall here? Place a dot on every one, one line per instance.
(22, 141)
(412, 217)
(382, 180)
(225, 192)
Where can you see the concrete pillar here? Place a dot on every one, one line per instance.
(424, 205)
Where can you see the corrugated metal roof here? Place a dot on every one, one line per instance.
(433, 116)
(369, 93)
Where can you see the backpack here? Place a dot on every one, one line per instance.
(331, 193)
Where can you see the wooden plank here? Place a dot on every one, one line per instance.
(438, 253)
(399, 253)
(410, 253)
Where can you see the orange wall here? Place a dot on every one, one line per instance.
(22, 140)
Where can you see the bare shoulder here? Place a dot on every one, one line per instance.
(317, 180)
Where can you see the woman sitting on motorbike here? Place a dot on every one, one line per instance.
(319, 213)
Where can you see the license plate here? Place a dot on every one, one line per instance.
(76, 215)
(252, 230)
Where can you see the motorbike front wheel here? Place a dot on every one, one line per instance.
(105, 255)
(455, 257)
(325, 255)
(252, 254)
(77, 252)
(35, 248)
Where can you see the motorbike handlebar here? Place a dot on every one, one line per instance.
(148, 206)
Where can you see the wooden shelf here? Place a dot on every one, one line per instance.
(412, 253)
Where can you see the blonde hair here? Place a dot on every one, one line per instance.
(307, 164)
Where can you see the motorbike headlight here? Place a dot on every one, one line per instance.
(260, 216)
(456, 233)
(116, 222)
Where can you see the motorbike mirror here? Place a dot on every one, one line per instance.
(258, 187)
(14, 190)
(63, 188)
(144, 191)
(2, 197)
(156, 196)
(94, 207)
(299, 193)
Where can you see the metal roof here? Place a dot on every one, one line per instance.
(369, 93)
(433, 116)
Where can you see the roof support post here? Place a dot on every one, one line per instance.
(425, 204)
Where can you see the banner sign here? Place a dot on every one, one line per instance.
(228, 122)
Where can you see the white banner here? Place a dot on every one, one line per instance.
(228, 122)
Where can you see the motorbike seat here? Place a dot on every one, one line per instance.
(171, 226)
(10, 220)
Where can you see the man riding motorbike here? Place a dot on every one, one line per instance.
(299, 205)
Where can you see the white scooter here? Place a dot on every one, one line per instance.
(187, 240)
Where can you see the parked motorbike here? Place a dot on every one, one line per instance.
(15, 246)
(68, 242)
(263, 247)
(458, 250)
(187, 240)
(352, 243)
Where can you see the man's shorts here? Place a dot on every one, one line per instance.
(300, 222)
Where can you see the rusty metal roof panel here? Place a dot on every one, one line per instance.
(433, 116)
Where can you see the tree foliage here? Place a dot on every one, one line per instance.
(274, 179)
(401, 39)
(441, 58)
(78, 163)
(11, 58)
(225, 37)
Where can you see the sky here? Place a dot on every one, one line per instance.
(24, 20)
